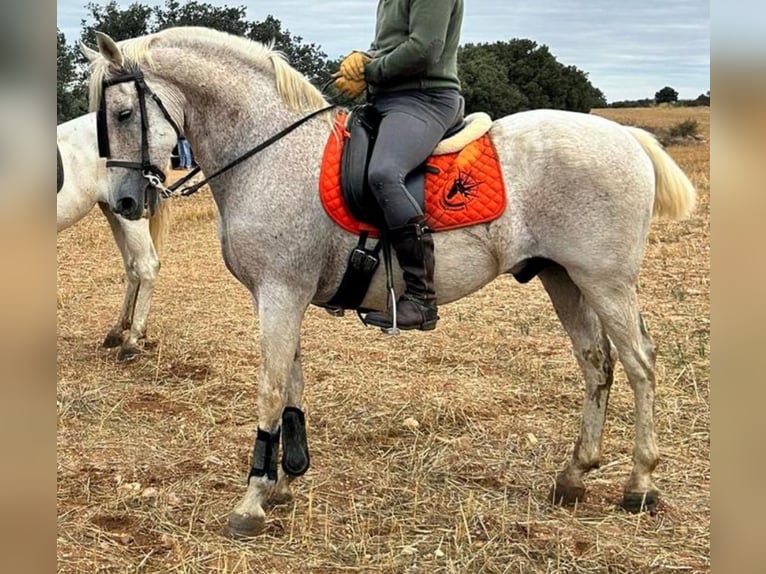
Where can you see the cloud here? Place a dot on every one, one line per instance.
(629, 49)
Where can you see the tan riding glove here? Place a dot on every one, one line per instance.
(352, 66)
(350, 88)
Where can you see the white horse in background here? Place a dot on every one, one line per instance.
(87, 182)
(581, 194)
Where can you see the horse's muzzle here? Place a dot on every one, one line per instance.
(128, 208)
(129, 204)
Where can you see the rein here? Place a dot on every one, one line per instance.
(155, 176)
(260, 147)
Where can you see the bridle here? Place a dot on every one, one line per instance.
(153, 174)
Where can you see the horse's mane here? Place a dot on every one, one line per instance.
(294, 89)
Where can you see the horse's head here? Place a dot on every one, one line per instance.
(139, 121)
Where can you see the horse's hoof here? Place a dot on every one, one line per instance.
(127, 353)
(640, 501)
(567, 494)
(113, 339)
(244, 525)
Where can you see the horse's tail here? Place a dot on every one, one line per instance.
(158, 224)
(674, 195)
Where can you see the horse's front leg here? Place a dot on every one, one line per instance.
(281, 312)
(114, 337)
(295, 452)
(145, 264)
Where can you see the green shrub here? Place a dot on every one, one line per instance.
(684, 129)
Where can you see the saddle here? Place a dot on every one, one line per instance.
(461, 184)
(362, 129)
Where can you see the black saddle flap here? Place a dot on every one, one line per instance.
(59, 170)
(362, 126)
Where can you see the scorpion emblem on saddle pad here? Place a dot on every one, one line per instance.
(461, 192)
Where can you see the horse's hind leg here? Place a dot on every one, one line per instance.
(616, 303)
(280, 312)
(596, 357)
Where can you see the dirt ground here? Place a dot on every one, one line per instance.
(430, 452)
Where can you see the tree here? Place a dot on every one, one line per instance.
(507, 77)
(224, 18)
(64, 69)
(139, 19)
(666, 95)
(642, 103)
(71, 100)
(72, 86)
(703, 99)
(484, 83)
(119, 24)
(308, 59)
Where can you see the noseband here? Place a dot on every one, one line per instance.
(151, 172)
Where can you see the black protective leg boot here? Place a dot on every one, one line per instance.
(416, 308)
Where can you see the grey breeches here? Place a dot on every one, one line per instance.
(413, 122)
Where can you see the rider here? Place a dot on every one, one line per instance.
(410, 73)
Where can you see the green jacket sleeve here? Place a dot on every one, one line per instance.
(429, 20)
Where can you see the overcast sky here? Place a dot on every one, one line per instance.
(630, 48)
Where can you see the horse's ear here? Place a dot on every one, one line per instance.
(109, 49)
(89, 53)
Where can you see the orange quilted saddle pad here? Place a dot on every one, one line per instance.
(468, 188)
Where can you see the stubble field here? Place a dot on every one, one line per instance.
(430, 452)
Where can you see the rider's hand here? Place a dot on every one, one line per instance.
(352, 66)
(350, 88)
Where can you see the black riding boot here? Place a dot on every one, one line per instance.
(416, 308)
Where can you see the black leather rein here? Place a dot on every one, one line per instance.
(151, 172)
(260, 147)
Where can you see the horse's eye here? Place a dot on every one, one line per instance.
(124, 115)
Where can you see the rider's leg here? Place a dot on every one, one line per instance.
(412, 124)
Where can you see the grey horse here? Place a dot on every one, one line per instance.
(581, 193)
(86, 183)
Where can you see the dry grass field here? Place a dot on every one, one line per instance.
(430, 452)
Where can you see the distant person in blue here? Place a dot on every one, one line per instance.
(184, 154)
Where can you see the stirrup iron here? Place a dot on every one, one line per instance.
(393, 330)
